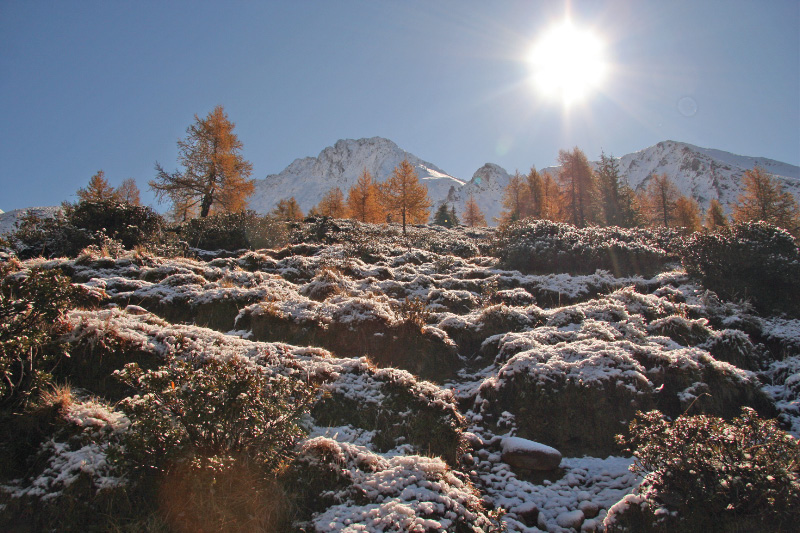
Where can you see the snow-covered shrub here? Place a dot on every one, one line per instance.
(33, 307)
(212, 408)
(445, 241)
(356, 326)
(327, 282)
(704, 474)
(202, 429)
(753, 261)
(735, 347)
(471, 331)
(400, 410)
(131, 225)
(684, 331)
(102, 224)
(234, 231)
(572, 396)
(541, 247)
(70, 481)
(414, 312)
(49, 236)
(370, 493)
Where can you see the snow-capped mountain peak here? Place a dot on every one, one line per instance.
(701, 173)
(340, 165)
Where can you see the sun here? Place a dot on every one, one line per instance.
(568, 63)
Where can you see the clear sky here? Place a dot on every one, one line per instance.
(113, 85)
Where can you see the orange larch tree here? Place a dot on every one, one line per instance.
(715, 218)
(98, 189)
(215, 174)
(331, 205)
(661, 196)
(473, 216)
(515, 199)
(288, 209)
(687, 214)
(363, 200)
(578, 188)
(129, 192)
(764, 199)
(404, 196)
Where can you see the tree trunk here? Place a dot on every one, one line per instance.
(205, 207)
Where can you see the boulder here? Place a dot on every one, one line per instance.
(530, 455)
(572, 519)
(528, 514)
(589, 508)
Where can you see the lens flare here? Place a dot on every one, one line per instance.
(568, 62)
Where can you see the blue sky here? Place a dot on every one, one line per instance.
(113, 85)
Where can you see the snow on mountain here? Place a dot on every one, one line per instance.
(9, 220)
(702, 173)
(486, 187)
(340, 165)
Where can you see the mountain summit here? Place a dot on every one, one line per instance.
(702, 173)
(340, 165)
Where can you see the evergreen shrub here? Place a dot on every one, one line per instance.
(545, 247)
(33, 307)
(752, 261)
(704, 474)
(234, 231)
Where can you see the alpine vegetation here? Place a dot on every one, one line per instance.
(250, 372)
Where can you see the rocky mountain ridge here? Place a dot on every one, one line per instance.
(701, 173)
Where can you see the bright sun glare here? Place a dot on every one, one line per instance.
(568, 63)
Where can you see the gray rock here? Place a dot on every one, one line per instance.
(572, 519)
(589, 508)
(530, 455)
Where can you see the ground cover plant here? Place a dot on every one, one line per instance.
(350, 377)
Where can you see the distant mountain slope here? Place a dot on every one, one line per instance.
(486, 187)
(703, 173)
(8, 221)
(340, 165)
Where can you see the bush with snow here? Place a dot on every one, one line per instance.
(71, 482)
(234, 231)
(33, 307)
(541, 246)
(752, 261)
(103, 224)
(371, 493)
(400, 411)
(704, 474)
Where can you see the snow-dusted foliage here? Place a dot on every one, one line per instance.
(168, 353)
(753, 260)
(541, 246)
(374, 493)
(702, 473)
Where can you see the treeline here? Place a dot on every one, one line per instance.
(214, 179)
(585, 197)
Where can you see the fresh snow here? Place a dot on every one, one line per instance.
(702, 173)
(603, 330)
(517, 444)
(9, 220)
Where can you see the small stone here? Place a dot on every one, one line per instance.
(528, 514)
(590, 526)
(572, 519)
(473, 440)
(589, 508)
